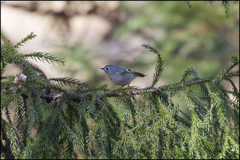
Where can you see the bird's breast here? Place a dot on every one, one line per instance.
(121, 79)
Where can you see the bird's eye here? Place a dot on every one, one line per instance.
(128, 70)
(106, 69)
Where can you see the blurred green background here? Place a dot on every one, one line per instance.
(201, 37)
(92, 34)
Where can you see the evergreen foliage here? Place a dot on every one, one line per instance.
(83, 119)
(159, 66)
(225, 4)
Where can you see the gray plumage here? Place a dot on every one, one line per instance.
(121, 76)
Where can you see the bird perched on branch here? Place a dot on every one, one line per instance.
(121, 76)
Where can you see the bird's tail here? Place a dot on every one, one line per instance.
(139, 74)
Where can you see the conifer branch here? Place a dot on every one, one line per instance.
(5, 42)
(2, 36)
(6, 150)
(45, 57)
(190, 71)
(69, 81)
(75, 97)
(35, 67)
(235, 61)
(24, 64)
(46, 85)
(24, 40)
(150, 48)
(225, 4)
(18, 60)
(159, 66)
(7, 113)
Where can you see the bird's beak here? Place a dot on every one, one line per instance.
(102, 68)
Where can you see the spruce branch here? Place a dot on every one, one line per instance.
(150, 48)
(69, 81)
(46, 85)
(190, 71)
(7, 113)
(159, 66)
(235, 90)
(6, 150)
(2, 36)
(22, 63)
(6, 43)
(41, 56)
(3, 59)
(24, 40)
(92, 89)
(18, 60)
(77, 97)
(35, 67)
(235, 62)
(25, 64)
(225, 4)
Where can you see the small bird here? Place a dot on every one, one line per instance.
(121, 76)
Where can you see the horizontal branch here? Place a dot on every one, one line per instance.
(75, 97)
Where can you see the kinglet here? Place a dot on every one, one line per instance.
(121, 76)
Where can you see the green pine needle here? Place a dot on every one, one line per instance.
(150, 48)
(45, 57)
(159, 66)
(235, 62)
(189, 72)
(69, 81)
(24, 40)
(35, 67)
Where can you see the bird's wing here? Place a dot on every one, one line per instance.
(125, 71)
(128, 71)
